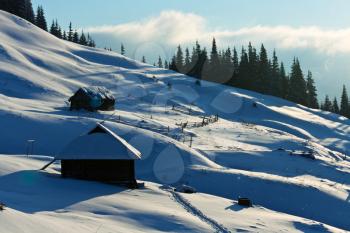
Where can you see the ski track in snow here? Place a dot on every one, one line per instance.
(196, 212)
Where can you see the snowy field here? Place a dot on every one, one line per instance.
(290, 160)
(44, 202)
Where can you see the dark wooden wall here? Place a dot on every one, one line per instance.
(99, 170)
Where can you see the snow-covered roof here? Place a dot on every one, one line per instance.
(99, 143)
(97, 91)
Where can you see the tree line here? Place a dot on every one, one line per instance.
(21, 8)
(71, 35)
(24, 9)
(253, 70)
(342, 108)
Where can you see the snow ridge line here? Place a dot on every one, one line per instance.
(196, 212)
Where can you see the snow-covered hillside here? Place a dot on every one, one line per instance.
(95, 207)
(257, 148)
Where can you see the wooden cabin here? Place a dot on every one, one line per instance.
(99, 155)
(92, 99)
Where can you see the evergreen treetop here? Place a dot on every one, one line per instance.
(122, 49)
(40, 20)
(311, 92)
(344, 104)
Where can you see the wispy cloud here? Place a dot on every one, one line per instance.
(285, 37)
(171, 28)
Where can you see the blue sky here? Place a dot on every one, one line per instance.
(316, 31)
(223, 13)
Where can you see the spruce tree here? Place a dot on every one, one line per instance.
(198, 61)
(40, 20)
(196, 54)
(64, 36)
(29, 13)
(212, 69)
(187, 63)
(252, 56)
(90, 41)
(160, 63)
(179, 59)
(53, 28)
(284, 82)
(244, 71)
(6, 6)
(322, 106)
(235, 68)
(193, 70)
(311, 92)
(70, 32)
(263, 79)
(335, 106)
(21, 8)
(16, 7)
(75, 38)
(122, 49)
(344, 104)
(173, 66)
(202, 62)
(166, 64)
(59, 30)
(297, 85)
(276, 87)
(226, 66)
(327, 105)
(82, 39)
(214, 57)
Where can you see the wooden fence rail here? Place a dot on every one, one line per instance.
(206, 120)
(184, 137)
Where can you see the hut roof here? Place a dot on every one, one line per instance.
(99, 143)
(97, 92)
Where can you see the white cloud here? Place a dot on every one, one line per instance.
(171, 28)
(285, 37)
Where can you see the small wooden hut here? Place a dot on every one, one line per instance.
(92, 99)
(99, 155)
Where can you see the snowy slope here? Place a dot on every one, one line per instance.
(46, 203)
(246, 153)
